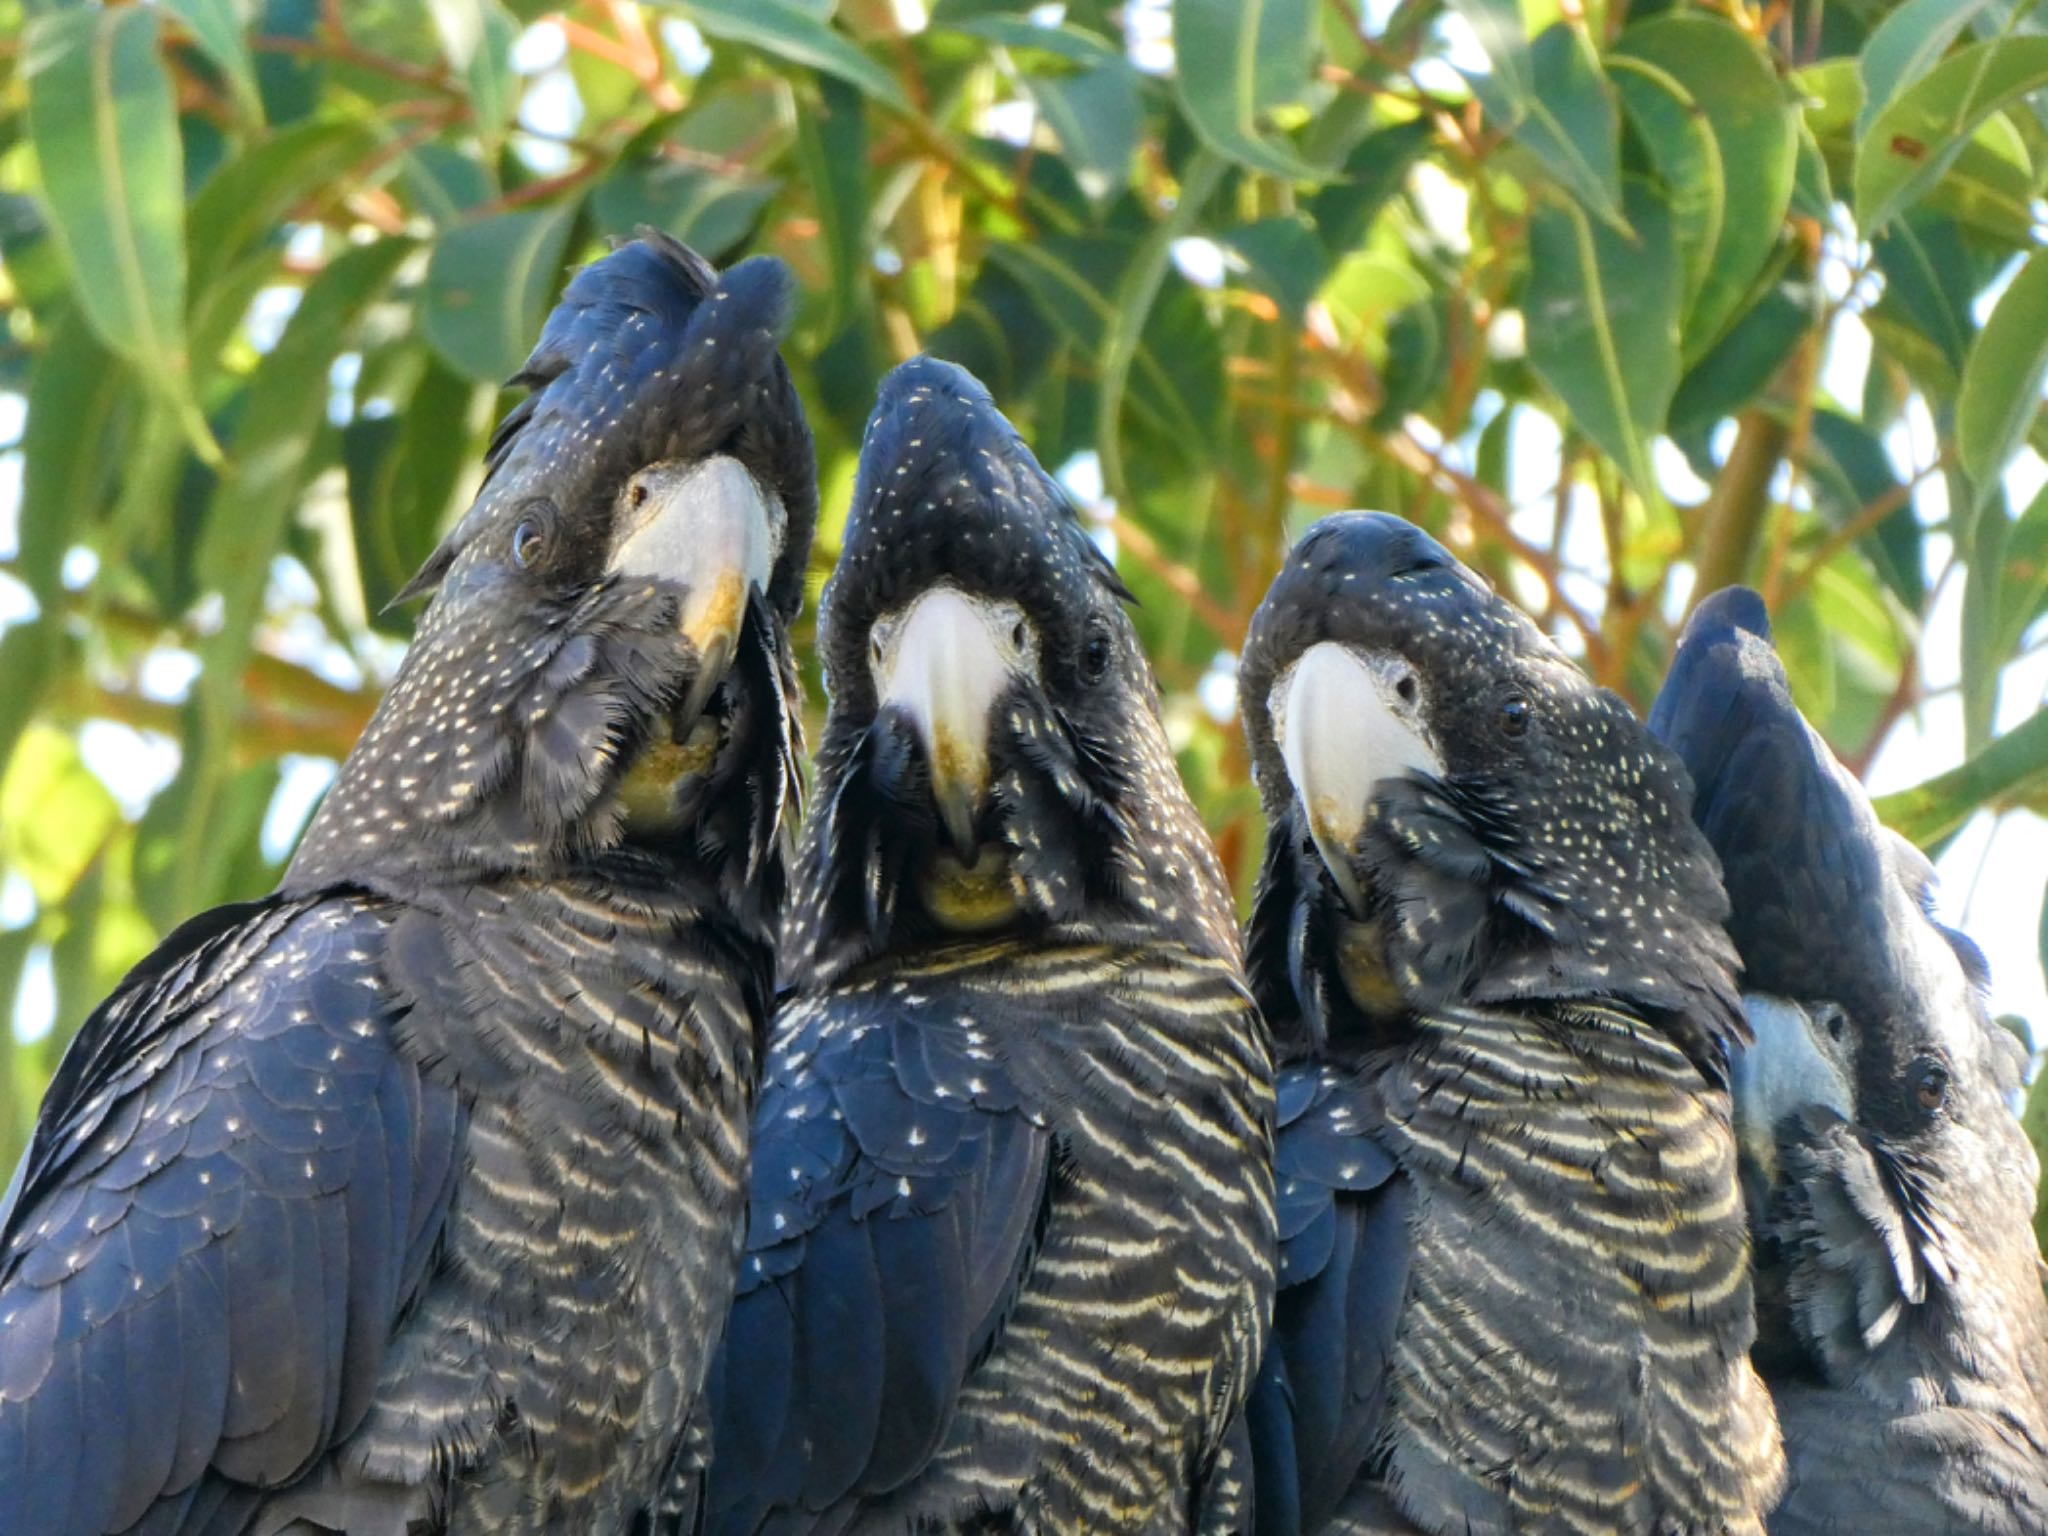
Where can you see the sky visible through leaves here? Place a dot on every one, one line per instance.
(1991, 871)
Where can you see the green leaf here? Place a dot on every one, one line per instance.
(252, 194)
(54, 814)
(246, 520)
(1132, 308)
(290, 83)
(1078, 286)
(705, 209)
(832, 150)
(1374, 171)
(287, 406)
(1813, 194)
(1285, 259)
(2012, 771)
(231, 226)
(1366, 291)
(1980, 537)
(72, 397)
(1744, 361)
(1904, 46)
(1235, 61)
(1930, 283)
(1847, 469)
(218, 27)
(20, 1085)
(1913, 141)
(1687, 158)
(1503, 35)
(1551, 96)
(488, 287)
(2001, 389)
(1601, 315)
(477, 38)
(444, 183)
(1990, 187)
(1097, 117)
(1416, 359)
(801, 35)
(1070, 43)
(997, 334)
(176, 873)
(31, 658)
(403, 471)
(105, 126)
(1753, 122)
(2022, 578)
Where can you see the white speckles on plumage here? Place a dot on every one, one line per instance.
(1133, 1334)
(1538, 1101)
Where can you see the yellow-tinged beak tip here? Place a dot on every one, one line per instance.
(710, 527)
(715, 610)
(1344, 723)
(943, 666)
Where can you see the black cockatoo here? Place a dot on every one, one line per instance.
(408, 1199)
(1514, 1289)
(1905, 1333)
(1010, 1251)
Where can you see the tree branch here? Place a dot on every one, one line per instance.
(1735, 511)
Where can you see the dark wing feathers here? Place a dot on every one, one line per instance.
(1800, 846)
(1315, 1414)
(234, 1114)
(108, 1045)
(897, 1195)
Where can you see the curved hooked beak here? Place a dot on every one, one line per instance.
(1344, 723)
(943, 670)
(711, 527)
(1787, 1068)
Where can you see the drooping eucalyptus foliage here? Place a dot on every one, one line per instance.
(1582, 286)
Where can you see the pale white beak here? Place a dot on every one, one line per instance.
(1344, 723)
(1786, 1069)
(943, 665)
(714, 529)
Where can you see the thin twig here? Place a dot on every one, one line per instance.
(1865, 520)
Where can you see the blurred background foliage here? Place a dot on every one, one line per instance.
(1626, 299)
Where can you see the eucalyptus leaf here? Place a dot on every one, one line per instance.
(1236, 61)
(1753, 122)
(1374, 171)
(801, 35)
(250, 511)
(488, 285)
(1097, 117)
(1905, 46)
(1283, 257)
(2022, 578)
(2002, 378)
(105, 127)
(2011, 771)
(1552, 96)
(1687, 158)
(221, 32)
(1601, 316)
(1914, 140)
(477, 38)
(705, 209)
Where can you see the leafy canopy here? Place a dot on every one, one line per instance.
(1584, 286)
